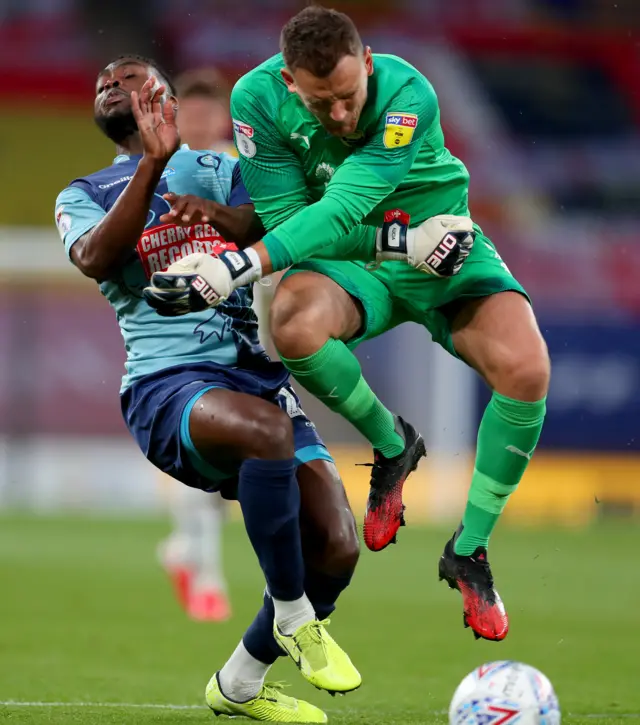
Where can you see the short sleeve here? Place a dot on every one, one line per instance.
(76, 213)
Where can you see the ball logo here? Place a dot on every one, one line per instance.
(490, 667)
(503, 715)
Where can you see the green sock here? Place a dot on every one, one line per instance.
(334, 376)
(507, 437)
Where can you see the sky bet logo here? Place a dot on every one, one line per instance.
(402, 119)
(399, 129)
(243, 128)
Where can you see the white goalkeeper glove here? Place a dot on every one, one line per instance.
(438, 246)
(199, 281)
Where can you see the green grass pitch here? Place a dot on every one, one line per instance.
(87, 616)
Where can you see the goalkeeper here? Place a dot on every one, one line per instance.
(343, 155)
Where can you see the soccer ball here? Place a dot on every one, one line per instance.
(504, 693)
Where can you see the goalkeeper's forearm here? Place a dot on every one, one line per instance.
(359, 245)
(438, 246)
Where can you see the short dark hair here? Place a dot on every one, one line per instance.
(317, 38)
(204, 83)
(148, 62)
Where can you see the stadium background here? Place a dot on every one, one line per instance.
(541, 100)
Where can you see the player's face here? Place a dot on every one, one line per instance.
(337, 100)
(204, 122)
(112, 106)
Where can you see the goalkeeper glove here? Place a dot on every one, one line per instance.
(439, 246)
(199, 281)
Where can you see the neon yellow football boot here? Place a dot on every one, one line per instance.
(270, 705)
(319, 658)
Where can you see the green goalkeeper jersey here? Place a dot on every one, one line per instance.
(311, 188)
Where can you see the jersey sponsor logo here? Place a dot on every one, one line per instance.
(63, 221)
(163, 245)
(243, 128)
(399, 129)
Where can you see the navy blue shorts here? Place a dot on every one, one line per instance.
(156, 409)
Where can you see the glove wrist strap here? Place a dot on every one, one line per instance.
(393, 240)
(244, 266)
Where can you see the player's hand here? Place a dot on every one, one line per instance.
(187, 209)
(195, 283)
(156, 120)
(439, 246)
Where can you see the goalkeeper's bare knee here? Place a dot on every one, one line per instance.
(309, 309)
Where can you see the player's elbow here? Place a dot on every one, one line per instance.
(89, 268)
(88, 260)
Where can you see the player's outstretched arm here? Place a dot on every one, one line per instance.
(110, 242)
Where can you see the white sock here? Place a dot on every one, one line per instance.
(209, 572)
(181, 548)
(291, 615)
(242, 677)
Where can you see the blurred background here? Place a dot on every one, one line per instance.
(540, 98)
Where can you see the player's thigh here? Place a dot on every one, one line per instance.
(435, 302)
(227, 425)
(498, 336)
(307, 310)
(198, 422)
(329, 534)
(359, 298)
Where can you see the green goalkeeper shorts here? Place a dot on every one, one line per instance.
(395, 293)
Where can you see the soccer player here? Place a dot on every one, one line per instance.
(192, 553)
(205, 121)
(343, 155)
(200, 396)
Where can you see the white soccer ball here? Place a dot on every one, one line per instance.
(504, 693)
